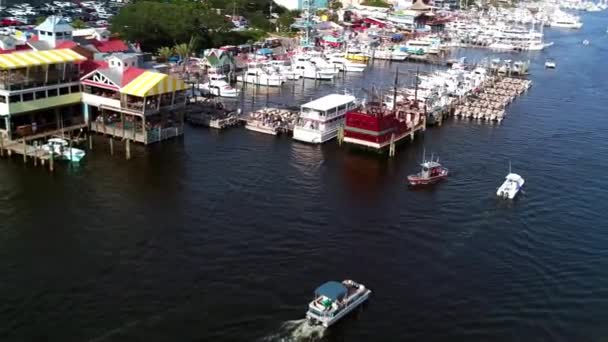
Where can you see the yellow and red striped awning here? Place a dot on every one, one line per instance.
(153, 83)
(33, 58)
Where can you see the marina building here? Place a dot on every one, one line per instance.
(128, 102)
(39, 91)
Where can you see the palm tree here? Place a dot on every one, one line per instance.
(185, 50)
(164, 53)
(79, 24)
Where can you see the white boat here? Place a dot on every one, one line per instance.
(565, 20)
(264, 77)
(218, 86)
(303, 67)
(334, 300)
(550, 63)
(340, 62)
(61, 150)
(394, 54)
(513, 182)
(320, 119)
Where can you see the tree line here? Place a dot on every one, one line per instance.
(155, 24)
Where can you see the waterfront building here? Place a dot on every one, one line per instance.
(128, 102)
(220, 60)
(39, 91)
(299, 4)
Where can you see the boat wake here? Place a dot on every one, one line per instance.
(296, 331)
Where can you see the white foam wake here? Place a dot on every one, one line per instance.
(296, 331)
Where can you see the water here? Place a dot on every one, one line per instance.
(223, 237)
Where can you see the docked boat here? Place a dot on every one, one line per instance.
(303, 67)
(511, 186)
(550, 63)
(264, 77)
(218, 86)
(61, 150)
(565, 20)
(334, 300)
(343, 64)
(376, 127)
(432, 172)
(320, 119)
(394, 54)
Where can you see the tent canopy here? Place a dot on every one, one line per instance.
(153, 83)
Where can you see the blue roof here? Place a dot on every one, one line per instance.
(265, 51)
(332, 290)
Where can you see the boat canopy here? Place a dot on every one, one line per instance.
(513, 177)
(332, 290)
(430, 164)
(264, 51)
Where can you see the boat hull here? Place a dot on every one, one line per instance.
(333, 320)
(261, 129)
(416, 180)
(313, 136)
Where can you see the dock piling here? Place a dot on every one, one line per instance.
(111, 146)
(128, 149)
(24, 152)
(35, 153)
(391, 148)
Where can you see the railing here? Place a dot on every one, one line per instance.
(159, 134)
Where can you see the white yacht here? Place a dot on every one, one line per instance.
(320, 119)
(511, 186)
(303, 67)
(61, 150)
(340, 62)
(430, 45)
(550, 63)
(565, 20)
(218, 86)
(394, 54)
(257, 75)
(334, 300)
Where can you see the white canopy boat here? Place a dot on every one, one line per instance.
(218, 86)
(511, 186)
(334, 300)
(61, 150)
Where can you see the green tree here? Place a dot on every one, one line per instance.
(155, 24)
(79, 24)
(164, 53)
(184, 51)
(40, 20)
(376, 3)
(335, 5)
(286, 20)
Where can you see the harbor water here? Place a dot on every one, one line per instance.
(224, 236)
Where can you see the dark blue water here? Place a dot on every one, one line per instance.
(224, 236)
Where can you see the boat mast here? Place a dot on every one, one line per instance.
(395, 91)
(416, 87)
(509, 166)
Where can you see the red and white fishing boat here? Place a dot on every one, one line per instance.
(431, 172)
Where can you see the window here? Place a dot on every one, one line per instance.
(74, 89)
(53, 92)
(40, 95)
(28, 96)
(64, 90)
(15, 98)
(2, 99)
